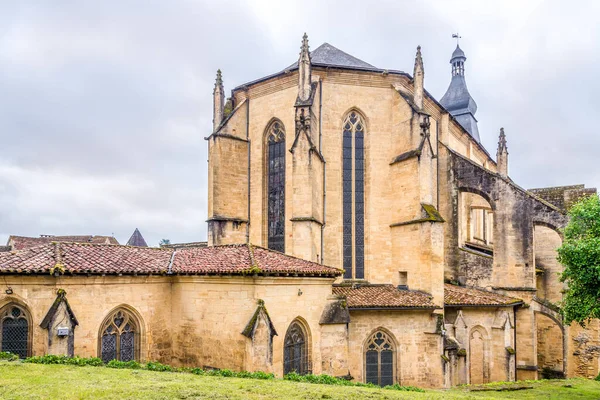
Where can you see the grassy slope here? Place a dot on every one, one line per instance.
(34, 381)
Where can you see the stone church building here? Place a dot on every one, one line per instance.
(357, 227)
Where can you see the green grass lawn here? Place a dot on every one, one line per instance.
(62, 382)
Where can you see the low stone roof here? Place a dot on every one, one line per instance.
(80, 258)
(469, 296)
(26, 242)
(372, 296)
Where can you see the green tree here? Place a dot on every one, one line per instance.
(580, 255)
(164, 242)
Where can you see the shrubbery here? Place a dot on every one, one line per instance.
(156, 366)
(330, 380)
(51, 359)
(5, 355)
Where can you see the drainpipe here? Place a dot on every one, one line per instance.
(324, 174)
(515, 338)
(437, 160)
(248, 139)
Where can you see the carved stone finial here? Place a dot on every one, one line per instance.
(418, 78)
(304, 70)
(502, 142)
(218, 101)
(502, 154)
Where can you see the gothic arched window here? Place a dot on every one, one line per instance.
(119, 337)
(15, 330)
(354, 196)
(379, 360)
(276, 186)
(295, 350)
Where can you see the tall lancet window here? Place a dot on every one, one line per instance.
(354, 196)
(276, 186)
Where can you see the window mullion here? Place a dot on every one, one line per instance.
(353, 195)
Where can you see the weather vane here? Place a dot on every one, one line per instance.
(456, 36)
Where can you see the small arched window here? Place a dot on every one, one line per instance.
(276, 186)
(119, 337)
(353, 186)
(379, 360)
(295, 350)
(15, 330)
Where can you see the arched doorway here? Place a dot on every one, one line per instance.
(550, 350)
(478, 360)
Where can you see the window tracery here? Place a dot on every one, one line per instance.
(295, 350)
(276, 187)
(119, 337)
(353, 195)
(379, 360)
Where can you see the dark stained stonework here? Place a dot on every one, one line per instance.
(516, 211)
(336, 312)
(563, 197)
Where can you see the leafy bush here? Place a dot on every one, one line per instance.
(156, 366)
(52, 359)
(330, 380)
(404, 388)
(5, 355)
(124, 364)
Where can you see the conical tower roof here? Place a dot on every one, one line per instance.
(137, 239)
(458, 100)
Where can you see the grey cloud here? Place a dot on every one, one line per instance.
(103, 105)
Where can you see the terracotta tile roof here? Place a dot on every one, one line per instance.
(84, 258)
(25, 242)
(244, 259)
(469, 296)
(383, 296)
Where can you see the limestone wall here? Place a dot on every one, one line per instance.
(211, 313)
(419, 348)
(92, 299)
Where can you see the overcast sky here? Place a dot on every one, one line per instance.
(104, 104)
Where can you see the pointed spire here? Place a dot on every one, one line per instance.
(304, 70)
(418, 78)
(137, 239)
(502, 155)
(218, 101)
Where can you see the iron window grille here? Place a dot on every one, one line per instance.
(15, 330)
(295, 351)
(120, 337)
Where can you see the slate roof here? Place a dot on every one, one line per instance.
(137, 239)
(328, 55)
(458, 53)
(458, 101)
(372, 296)
(25, 242)
(78, 258)
(469, 296)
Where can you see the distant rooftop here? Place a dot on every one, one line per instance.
(25, 242)
(137, 239)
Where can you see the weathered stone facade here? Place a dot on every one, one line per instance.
(449, 268)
